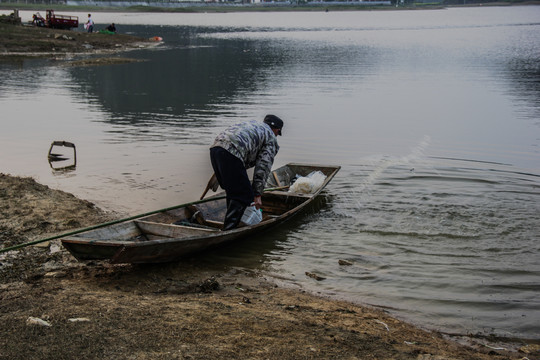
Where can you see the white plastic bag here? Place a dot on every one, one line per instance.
(251, 215)
(308, 184)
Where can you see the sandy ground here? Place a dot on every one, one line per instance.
(53, 307)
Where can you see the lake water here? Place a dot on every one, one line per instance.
(433, 115)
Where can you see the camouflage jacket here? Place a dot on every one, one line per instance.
(255, 144)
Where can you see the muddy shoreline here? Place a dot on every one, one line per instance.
(19, 41)
(184, 310)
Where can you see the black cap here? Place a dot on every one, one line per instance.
(274, 122)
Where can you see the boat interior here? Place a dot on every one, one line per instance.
(206, 218)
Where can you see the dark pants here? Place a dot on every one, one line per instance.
(232, 176)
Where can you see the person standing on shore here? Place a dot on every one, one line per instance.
(89, 24)
(240, 147)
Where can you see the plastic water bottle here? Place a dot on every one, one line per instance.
(251, 215)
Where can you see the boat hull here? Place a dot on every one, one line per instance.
(172, 234)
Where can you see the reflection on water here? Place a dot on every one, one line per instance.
(433, 116)
(175, 89)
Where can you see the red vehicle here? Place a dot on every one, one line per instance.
(56, 21)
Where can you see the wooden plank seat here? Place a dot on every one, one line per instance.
(171, 230)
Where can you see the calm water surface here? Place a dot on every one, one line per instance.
(433, 116)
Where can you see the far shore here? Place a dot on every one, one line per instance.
(258, 7)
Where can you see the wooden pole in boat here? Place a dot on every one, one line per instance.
(98, 226)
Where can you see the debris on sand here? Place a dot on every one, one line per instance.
(37, 321)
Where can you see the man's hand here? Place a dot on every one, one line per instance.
(258, 202)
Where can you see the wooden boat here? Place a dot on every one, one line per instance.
(176, 232)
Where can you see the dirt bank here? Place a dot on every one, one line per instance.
(55, 307)
(18, 40)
